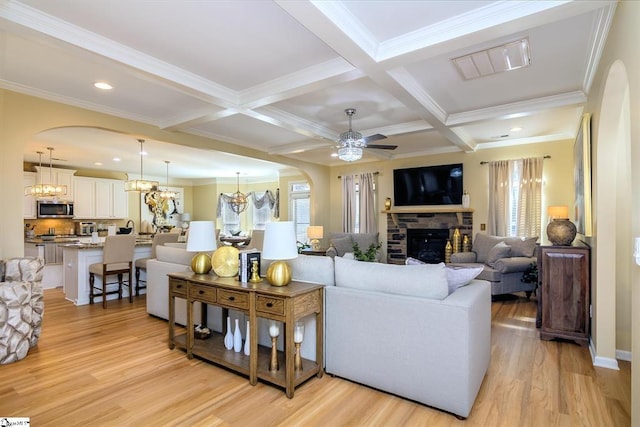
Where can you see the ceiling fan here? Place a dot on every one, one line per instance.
(354, 138)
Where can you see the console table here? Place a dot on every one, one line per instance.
(284, 304)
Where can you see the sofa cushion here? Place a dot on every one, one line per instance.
(524, 246)
(364, 240)
(428, 280)
(176, 245)
(174, 255)
(483, 243)
(315, 269)
(342, 244)
(457, 276)
(500, 250)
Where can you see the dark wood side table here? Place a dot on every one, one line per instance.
(564, 301)
(284, 304)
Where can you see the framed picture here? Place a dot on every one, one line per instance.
(582, 177)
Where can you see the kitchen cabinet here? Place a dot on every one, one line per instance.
(59, 176)
(97, 198)
(29, 202)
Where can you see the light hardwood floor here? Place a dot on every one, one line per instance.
(96, 367)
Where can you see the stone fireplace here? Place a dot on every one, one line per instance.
(422, 234)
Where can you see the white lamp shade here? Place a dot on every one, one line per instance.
(315, 231)
(202, 236)
(280, 241)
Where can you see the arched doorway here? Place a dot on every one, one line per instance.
(611, 290)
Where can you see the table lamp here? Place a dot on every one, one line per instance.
(315, 232)
(202, 238)
(560, 230)
(279, 245)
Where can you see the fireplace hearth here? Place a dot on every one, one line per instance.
(439, 222)
(427, 245)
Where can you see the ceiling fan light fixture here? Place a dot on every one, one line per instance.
(351, 142)
(350, 154)
(140, 185)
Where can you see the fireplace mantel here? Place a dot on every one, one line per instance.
(458, 210)
(433, 209)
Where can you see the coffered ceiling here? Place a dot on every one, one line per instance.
(276, 76)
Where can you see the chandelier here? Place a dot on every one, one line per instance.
(167, 194)
(351, 142)
(238, 201)
(140, 185)
(46, 190)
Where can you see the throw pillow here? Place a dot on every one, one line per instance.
(523, 246)
(427, 281)
(461, 276)
(482, 244)
(342, 245)
(501, 250)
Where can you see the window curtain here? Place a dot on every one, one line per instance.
(530, 198)
(258, 201)
(367, 204)
(499, 189)
(348, 204)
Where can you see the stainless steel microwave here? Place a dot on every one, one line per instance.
(55, 209)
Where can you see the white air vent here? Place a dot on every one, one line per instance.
(507, 57)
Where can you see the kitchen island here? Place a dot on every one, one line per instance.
(77, 257)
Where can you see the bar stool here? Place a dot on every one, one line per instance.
(117, 260)
(141, 263)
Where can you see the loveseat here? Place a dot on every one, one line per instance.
(342, 243)
(504, 261)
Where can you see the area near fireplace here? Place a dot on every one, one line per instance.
(422, 234)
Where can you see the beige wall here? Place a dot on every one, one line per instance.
(557, 185)
(616, 148)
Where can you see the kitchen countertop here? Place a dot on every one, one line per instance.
(62, 239)
(100, 245)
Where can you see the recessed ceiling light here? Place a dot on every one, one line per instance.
(103, 85)
(143, 153)
(116, 159)
(334, 154)
(98, 163)
(516, 129)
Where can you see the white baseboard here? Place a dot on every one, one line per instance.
(602, 362)
(623, 355)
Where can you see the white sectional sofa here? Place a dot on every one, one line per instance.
(396, 328)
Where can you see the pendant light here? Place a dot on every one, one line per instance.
(238, 200)
(140, 185)
(46, 190)
(167, 194)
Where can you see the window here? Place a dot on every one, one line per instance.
(230, 219)
(300, 208)
(260, 216)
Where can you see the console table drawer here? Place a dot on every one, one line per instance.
(202, 293)
(233, 299)
(178, 287)
(270, 305)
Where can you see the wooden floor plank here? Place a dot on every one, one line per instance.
(113, 367)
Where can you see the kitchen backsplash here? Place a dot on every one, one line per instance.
(62, 226)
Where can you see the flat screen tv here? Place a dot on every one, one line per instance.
(428, 185)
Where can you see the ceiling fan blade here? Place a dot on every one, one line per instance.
(375, 137)
(60, 160)
(382, 146)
